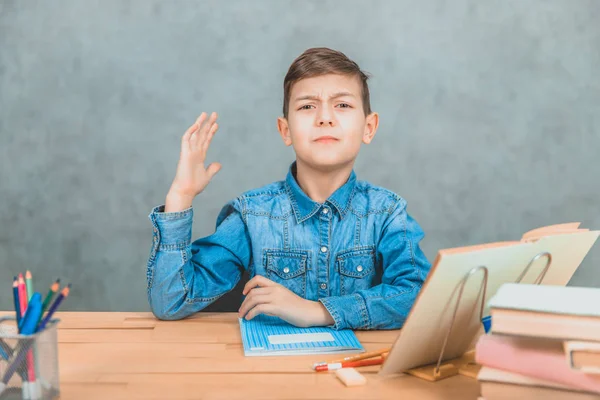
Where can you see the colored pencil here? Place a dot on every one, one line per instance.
(16, 299)
(23, 304)
(51, 292)
(63, 293)
(22, 296)
(358, 357)
(29, 284)
(350, 364)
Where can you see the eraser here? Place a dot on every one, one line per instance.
(350, 377)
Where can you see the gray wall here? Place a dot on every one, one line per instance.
(490, 122)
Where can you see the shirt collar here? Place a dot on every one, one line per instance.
(304, 207)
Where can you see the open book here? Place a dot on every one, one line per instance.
(271, 336)
(564, 262)
(530, 236)
(473, 274)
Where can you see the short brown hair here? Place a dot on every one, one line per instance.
(321, 61)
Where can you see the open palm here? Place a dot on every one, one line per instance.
(192, 175)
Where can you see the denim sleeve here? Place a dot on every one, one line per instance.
(185, 277)
(405, 268)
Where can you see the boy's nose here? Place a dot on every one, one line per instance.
(325, 117)
(325, 121)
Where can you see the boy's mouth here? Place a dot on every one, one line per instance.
(326, 139)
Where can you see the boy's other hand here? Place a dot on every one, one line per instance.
(267, 297)
(192, 176)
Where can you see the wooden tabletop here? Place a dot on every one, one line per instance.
(135, 356)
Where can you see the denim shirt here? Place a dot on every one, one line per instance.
(357, 253)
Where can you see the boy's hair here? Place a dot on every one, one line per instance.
(321, 61)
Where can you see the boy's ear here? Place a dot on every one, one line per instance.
(371, 126)
(284, 130)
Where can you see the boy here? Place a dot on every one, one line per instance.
(321, 248)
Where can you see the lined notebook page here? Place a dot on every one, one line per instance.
(266, 335)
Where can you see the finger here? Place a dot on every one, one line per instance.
(210, 135)
(257, 281)
(267, 309)
(195, 133)
(186, 136)
(204, 129)
(252, 301)
(185, 139)
(212, 169)
(260, 291)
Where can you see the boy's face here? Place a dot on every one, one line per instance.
(326, 122)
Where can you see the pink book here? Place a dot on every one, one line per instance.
(538, 358)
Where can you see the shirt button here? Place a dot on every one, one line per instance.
(286, 270)
(325, 210)
(359, 268)
(323, 286)
(324, 249)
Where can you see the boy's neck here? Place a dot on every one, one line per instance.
(320, 185)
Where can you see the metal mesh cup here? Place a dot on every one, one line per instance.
(28, 363)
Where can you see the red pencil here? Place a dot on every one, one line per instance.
(23, 300)
(350, 364)
(22, 295)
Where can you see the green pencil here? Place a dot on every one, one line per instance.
(28, 285)
(50, 295)
(48, 299)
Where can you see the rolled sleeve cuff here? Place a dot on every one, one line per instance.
(348, 312)
(172, 229)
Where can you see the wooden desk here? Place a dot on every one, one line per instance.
(135, 356)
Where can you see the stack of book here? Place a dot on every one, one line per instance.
(544, 343)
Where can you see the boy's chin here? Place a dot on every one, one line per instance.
(329, 164)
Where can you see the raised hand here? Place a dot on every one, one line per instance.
(192, 176)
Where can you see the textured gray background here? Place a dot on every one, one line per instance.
(490, 122)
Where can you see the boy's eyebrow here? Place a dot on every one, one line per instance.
(333, 96)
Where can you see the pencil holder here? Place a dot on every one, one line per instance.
(28, 363)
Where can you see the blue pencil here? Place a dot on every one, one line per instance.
(16, 298)
(63, 293)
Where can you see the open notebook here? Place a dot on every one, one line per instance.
(271, 336)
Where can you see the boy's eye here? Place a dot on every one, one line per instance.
(344, 105)
(305, 107)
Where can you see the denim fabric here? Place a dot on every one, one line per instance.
(357, 253)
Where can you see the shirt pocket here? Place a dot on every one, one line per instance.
(288, 268)
(356, 268)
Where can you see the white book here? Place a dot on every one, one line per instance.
(565, 300)
(553, 312)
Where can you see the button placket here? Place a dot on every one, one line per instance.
(323, 259)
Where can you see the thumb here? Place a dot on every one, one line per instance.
(213, 169)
